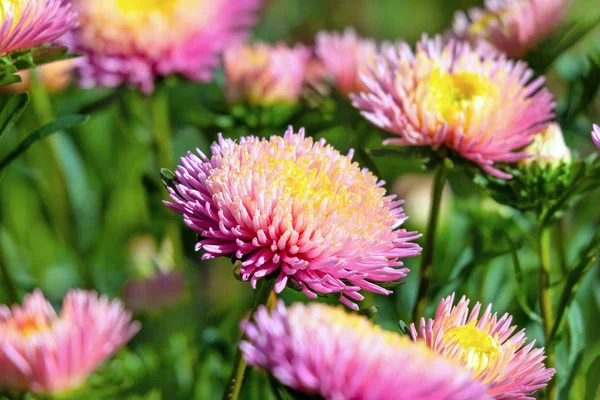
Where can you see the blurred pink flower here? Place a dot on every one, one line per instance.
(155, 293)
(596, 135)
(480, 105)
(487, 346)
(295, 208)
(134, 41)
(43, 352)
(511, 26)
(323, 350)
(265, 74)
(31, 23)
(345, 56)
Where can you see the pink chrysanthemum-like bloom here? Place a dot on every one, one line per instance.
(324, 350)
(43, 352)
(134, 41)
(488, 346)
(31, 23)
(511, 26)
(480, 105)
(295, 208)
(263, 74)
(345, 56)
(596, 135)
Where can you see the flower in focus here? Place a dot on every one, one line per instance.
(548, 147)
(264, 74)
(134, 41)
(480, 105)
(487, 346)
(31, 23)
(345, 56)
(297, 209)
(43, 352)
(511, 26)
(596, 135)
(323, 350)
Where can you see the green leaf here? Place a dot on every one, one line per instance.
(7, 75)
(11, 111)
(69, 121)
(577, 333)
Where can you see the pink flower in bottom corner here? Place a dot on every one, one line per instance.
(298, 210)
(596, 135)
(323, 350)
(486, 345)
(44, 352)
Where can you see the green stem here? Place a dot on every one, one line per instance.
(560, 245)
(426, 270)
(547, 313)
(161, 130)
(9, 285)
(264, 295)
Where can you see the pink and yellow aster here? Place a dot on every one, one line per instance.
(134, 41)
(596, 135)
(488, 346)
(345, 56)
(45, 353)
(297, 209)
(263, 74)
(30, 23)
(511, 26)
(323, 350)
(479, 105)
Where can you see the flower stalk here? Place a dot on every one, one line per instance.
(426, 270)
(264, 295)
(547, 313)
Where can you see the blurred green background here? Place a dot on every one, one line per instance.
(75, 207)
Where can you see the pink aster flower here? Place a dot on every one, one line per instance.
(323, 350)
(596, 135)
(511, 26)
(31, 23)
(481, 106)
(488, 346)
(43, 352)
(132, 41)
(265, 74)
(295, 208)
(345, 56)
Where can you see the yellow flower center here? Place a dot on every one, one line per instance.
(478, 349)
(459, 97)
(28, 325)
(145, 6)
(16, 6)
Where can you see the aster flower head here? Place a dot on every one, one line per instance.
(265, 74)
(294, 208)
(479, 105)
(345, 56)
(323, 350)
(596, 135)
(44, 352)
(30, 23)
(134, 41)
(488, 346)
(511, 26)
(548, 147)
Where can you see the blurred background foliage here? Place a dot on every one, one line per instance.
(74, 208)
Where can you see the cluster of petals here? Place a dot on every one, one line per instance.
(487, 345)
(295, 208)
(548, 147)
(478, 104)
(135, 41)
(345, 56)
(30, 23)
(323, 350)
(42, 352)
(264, 74)
(596, 135)
(511, 26)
